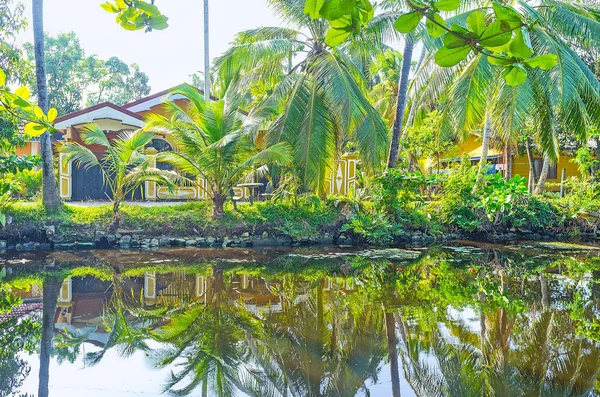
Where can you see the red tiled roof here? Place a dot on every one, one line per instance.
(21, 311)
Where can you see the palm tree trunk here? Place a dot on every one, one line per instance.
(544, 291)
(509, 161)
(413, 107)
(392, 342)
(543, 175)
(485, 143)
(401, 103)
(51, 289)
(206, 54)
(532, 173)
(50, 196)
(218, 202)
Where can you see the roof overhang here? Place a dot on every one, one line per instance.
(104, 113)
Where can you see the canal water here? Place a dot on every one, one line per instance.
(462, 320)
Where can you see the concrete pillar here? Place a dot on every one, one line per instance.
(150, 192)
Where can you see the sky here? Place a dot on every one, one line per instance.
(168, 57)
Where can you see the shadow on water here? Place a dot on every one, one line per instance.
(447, 321)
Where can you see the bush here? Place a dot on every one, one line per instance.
(30, 182)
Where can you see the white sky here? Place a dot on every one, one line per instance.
(168, 56)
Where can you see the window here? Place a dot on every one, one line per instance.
(552, 171)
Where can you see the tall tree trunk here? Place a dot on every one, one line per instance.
(50, 196)
(508, 162)
(413, 107)
(401, 102)
(218, 202)
(392, 343)
(51, 289)
(485, 144)
(532, 172)
(206, 54)
(543, 175)
(544, 291)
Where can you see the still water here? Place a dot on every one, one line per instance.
(462, 320)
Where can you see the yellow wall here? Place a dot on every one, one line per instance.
(28, 149)
(521, 167)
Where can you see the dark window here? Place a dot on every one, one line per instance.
(537, 165)
(162, 146)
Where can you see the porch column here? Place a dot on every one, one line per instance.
(150, 186)
(65, 180)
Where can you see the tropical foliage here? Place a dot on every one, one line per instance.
(124, 165)
(218, 145)
(318, 94)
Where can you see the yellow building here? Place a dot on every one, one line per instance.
(77, 184)
(519, 164)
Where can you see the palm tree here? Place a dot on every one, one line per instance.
(51, 289)
(401, 101)
(210, 337)
(319, 96)
(216, 144)
(50, 196)
(474, 89)
(125, 166)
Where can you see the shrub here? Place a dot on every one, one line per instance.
(30, 182)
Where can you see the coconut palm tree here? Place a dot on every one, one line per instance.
(474, 90)
(50, 196)
(215, 144)
(319, 96)
(125, 167)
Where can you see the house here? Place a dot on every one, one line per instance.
(77, 184)
(519, 164)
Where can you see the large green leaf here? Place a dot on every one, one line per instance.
(336, 36)
(454, 41)
(544, 62)
(406, 23)
(2, 78)
(476, 22)
(520, 46)
(335, 9)
(507, 14)
(436, 26)
(515, 75)
(447, 5)
(312, 8)
(496, 34)
(451, 56)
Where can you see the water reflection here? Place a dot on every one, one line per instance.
(458, 321)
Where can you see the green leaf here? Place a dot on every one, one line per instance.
(507, 14)
(23, 92)
(447, 5)
(451, 41)
(109, 7)
(312, 8)
(39, 113)
(2, 78)
(406, 23)
(515, 75)
(159, 22)
(3, 223)
(336, 36)
(544, 62)
(52, 113)
(476, 22)
(500, 61)
(520, 45)
(34, 129)
(147, 8)
(335, 9)
(495, 35)
(446, 57)
(434, 29)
